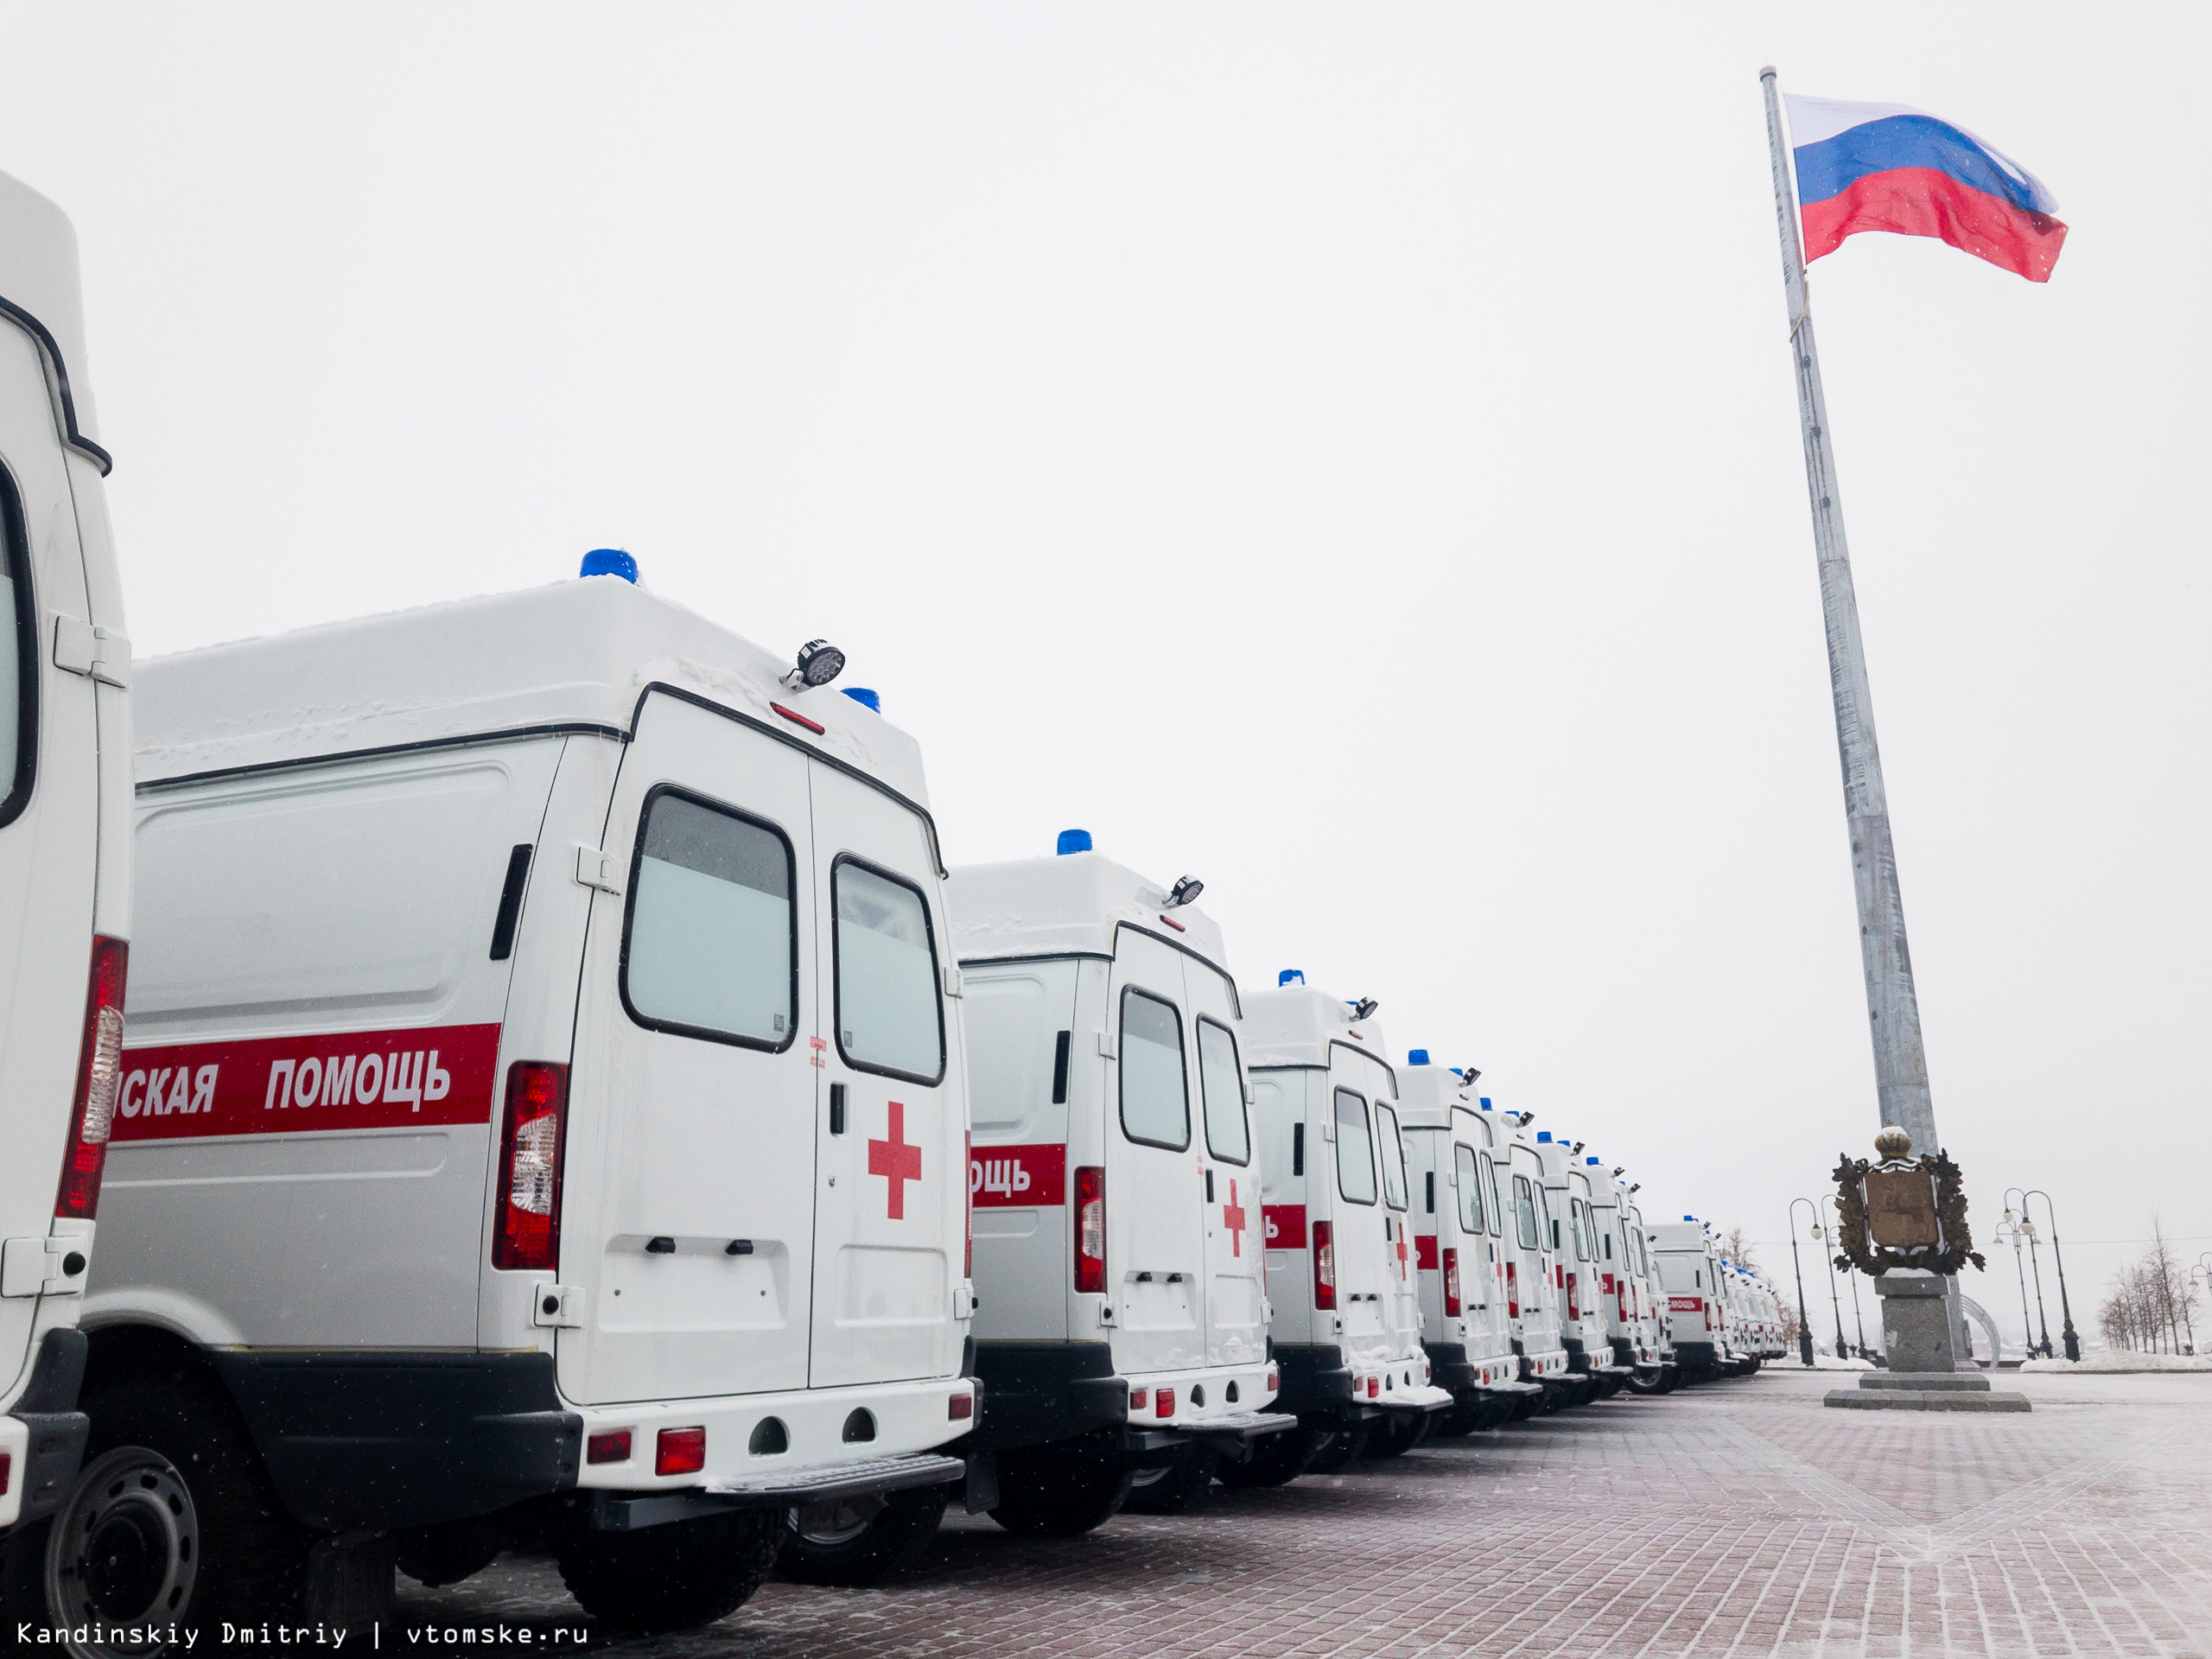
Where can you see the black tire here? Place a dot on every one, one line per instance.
(1398, 1434)
(22, 1576)
(843, 1547)
(1339, 1450)
(1647, 1382)
(1276, 1460)
(437, 1556)
(1173, 1488)
(172, 1516)
(1061, 1490)
(1468, 1414)
(673, 1576)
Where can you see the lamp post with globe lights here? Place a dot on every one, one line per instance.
(2065, 1308)
(2027, 1229)
(1804, 1325)
(1858, 1318)
(2008, 1232)
(1827, 1250)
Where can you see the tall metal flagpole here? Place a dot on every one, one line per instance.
(1900, 1063)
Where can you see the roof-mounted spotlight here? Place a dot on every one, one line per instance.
(819, 663)
(1185, 890)
(1636, 1186)
(1364, 1007)
(1526, 1117)
(1620, 1169)
(1468, 1074)
(1578, 1149)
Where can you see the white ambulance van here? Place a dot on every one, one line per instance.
(1686, 1263)
(1658, 1327)
(65, 865)
(1121, 1335)
(1341, 1279)
(1452, 1140)
(1631, 1330)
(544, 1120)
(1532, 1299)
(1575, 1270)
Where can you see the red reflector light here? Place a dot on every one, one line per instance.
(1163, 1402)
(1374, 1386)
(613, 1446)
(1512, 1292)
(99, 1075)
(959, 1408)
(7, 1471)
(680, 1452)
(797, 719)
(1140, 1398)
(1091, 1229)
(1450, 1284)
(1173, 922)
(1275, 1382)
(529, 1232)
(1325, 1265)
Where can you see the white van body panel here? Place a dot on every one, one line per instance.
(64, 747)
(1684, 1257)
(1052, 951)
(1450, 1138)
(427, 862)
(1537, 1325)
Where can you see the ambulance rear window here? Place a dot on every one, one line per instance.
(1155, 1097)
(1355, 1149)
(1227, 1135)
(1492, 1196)
(1525, 1202)
(1471, 1191)
(712, 945)
(889, 1018)
(1390, 1151)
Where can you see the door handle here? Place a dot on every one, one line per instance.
(837, 1108)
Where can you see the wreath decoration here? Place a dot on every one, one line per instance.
(1857, 1243)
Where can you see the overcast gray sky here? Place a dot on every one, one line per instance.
(1347, 455)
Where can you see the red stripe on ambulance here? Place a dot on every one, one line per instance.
(1425, 1252)
(277, 1085)
(1684, 1304)
(1001, 1177)
(1285, 1225)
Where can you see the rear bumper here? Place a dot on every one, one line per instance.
(1314, 1378)
(1230, 1435)
(1036, 1393)
(42, 1435)
(863, 1478)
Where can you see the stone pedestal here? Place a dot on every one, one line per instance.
(1923, 1374)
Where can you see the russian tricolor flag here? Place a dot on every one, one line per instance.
(1886, 166)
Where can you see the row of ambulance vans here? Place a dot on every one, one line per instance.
(569, 1103)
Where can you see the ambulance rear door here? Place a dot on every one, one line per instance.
(1236, 1287)
(1400, 1275)
(1288, 1143)
(688, 1214)
(890, 1213)
(1155, 1209)
(1362, 1227)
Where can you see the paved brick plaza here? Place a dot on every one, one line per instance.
(1736, 1519)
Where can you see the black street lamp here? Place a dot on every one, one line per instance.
(2008, 1232)
(1804, 1325)
(1827, 1246)
(2065, 1308)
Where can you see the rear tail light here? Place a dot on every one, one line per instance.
(1325, 1265)
(1512, 1293)
(968, 1162)
(7, 1471)
(1450, 1284)
(612, 1447)
(1091, 1229)
(1163, 1402)
(1138, 1398)
(1275, 1382)
(99, 1070)
(1574, 1307)
(529, 1234)
(959, 1408)
(1374, 1386)
(680, 1452)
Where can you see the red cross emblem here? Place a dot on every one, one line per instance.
(1233, 1218)
(1401, 1250)
(892, 1158)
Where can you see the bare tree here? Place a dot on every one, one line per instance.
(1738, 1248)
(2152, 1302)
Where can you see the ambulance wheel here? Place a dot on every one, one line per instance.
(1339, 1451)
(1172, 1488)
(676, 1576)
(1398, 1435)
(837, 1543)
(1276, 1460)
(22, 1576)
(1648, 1381)
(1061, 1491)
(172, 1516)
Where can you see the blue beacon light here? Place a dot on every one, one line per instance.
(1417, 1057)
(865, 697)
(609, 561)
(1074, 841)
(1291, 976)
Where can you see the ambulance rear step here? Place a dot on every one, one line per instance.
(868, 1477)
(1231, 1433)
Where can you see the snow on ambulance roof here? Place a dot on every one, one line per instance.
(40, 292)
(1066, 905)
(1294, 1026)
(1672, 1235)
(574, 656)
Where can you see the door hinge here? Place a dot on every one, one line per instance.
(42, 1267)
(597, 869)
(1107, 1045)
(558, 1307)
(100, 654)
(952, 982)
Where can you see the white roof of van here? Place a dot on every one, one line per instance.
(577, 655)
(1677, 1236)
(1066, 905)
(1427, 1093)
(1294, 1025)
(38, 278)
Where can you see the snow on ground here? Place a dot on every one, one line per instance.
(1820, 1363)
(2116, 1361)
